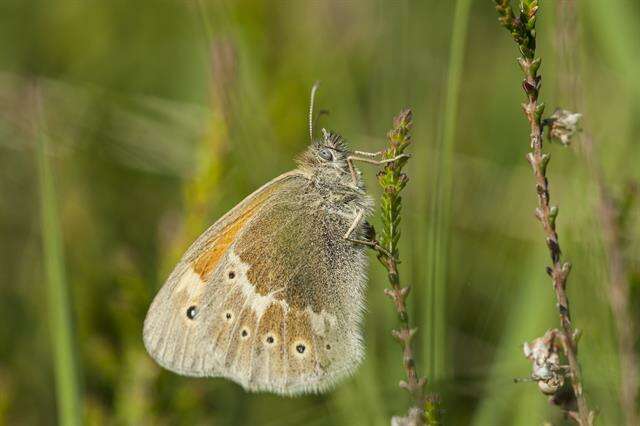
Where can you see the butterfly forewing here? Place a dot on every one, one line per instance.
(192, 283)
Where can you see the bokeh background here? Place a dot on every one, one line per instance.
(126, 128)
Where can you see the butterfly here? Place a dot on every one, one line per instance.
(271, 296)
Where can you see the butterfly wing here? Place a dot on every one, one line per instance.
(270, 296)
(170, 336)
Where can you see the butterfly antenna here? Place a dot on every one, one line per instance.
(314, 89)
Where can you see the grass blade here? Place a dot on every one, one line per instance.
(440, 225)
(57, 292)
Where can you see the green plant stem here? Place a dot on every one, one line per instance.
(440, 225)
(392, 182)
(59, 311)
(522, 28)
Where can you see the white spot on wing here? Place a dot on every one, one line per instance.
(256, 301)
(319, 322)
(191, 283)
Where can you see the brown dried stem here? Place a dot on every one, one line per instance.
(609, 215)
(522, 28)
(619, 300)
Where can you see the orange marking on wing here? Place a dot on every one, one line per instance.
(219, 243)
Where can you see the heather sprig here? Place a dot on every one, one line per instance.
(521, 25)
(392, 180)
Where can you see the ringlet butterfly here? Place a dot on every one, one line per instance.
(271, 295)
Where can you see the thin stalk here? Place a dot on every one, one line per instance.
(608, 213)
(59, 311)
(441, 205)
(392, 181)
(619, 293)
(522, 28)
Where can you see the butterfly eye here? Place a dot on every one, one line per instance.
(232, 275)
(325, 154)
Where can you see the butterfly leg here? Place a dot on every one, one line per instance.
(369, 154)
(370, 243)
(352, 158)
(356, 222)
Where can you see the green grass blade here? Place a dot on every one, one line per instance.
(440, 225)
(57, 292)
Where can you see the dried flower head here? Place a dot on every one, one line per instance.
(543, 353)
(563, 125)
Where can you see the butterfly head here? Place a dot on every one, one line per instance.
(327, 156)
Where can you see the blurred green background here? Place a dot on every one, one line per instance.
(126, 128)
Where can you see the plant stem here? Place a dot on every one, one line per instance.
(619, 299)
(440, 224)
(608, 212)
(393, 181)
(59, 310)
(522, 28)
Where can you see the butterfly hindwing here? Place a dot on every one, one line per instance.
(299, 258)
(271, 282)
